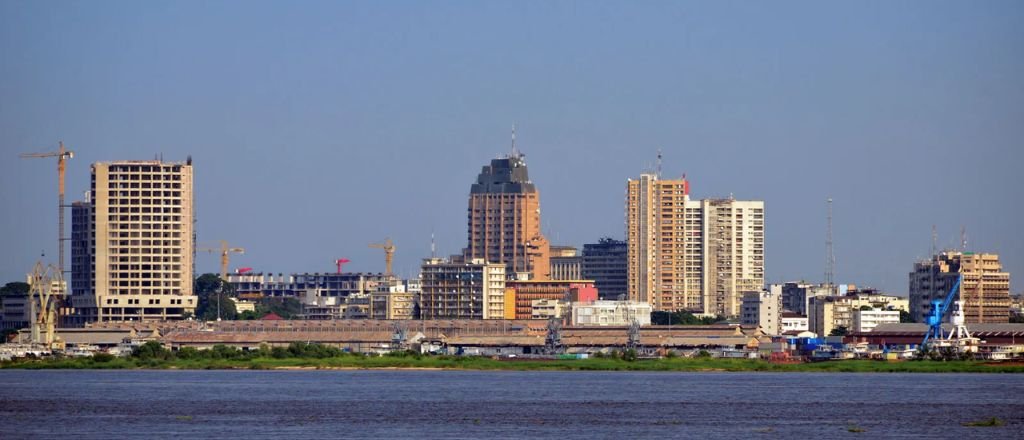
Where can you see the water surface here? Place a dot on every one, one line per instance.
(504, 404)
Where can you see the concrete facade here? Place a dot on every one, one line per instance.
(867, 320)
(611, 313)
(522, 293)
(828, 313)
(691, 255)
(985, 289)
(133, 244)
(763, 309)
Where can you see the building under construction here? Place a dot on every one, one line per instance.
(133, 243)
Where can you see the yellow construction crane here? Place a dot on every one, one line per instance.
(389, 253)
(224, 259)
(61, 155)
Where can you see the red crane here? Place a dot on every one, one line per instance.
(341, 262)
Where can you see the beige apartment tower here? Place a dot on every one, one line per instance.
(985, 289)
(504, 219)
(682, 254)
(133, 243)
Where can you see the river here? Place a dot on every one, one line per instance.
(504, 404)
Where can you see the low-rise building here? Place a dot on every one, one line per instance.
(520, 294)
(877, 300)
(547, 308)
(793, 322)
(610, 313)
(867, 320)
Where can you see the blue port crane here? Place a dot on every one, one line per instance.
(939, 309)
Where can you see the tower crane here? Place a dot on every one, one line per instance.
(389, 253)
(224, 250)
(43, 302)
(341, 262)
(62, 155)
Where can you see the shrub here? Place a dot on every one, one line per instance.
(703, 354)
(102, 357)
(151, 350)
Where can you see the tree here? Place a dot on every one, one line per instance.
(15, 288)
(905, 316)
(151, 350)
(839, 331)
(287, 308)
(866, 307)
(210, 290)
(682, 317)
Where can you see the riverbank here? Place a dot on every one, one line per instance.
(479, 363)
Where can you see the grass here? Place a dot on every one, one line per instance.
(482, 363)
(994, 421)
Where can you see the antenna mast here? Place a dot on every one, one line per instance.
(514, 152)
(830, 258)
(659, 164)
(935, 239)
(963, 238)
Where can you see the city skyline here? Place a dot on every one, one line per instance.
(321, 150)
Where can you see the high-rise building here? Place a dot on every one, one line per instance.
(691, 255)
(985, 289)
(504, 219)
(133, 243)
(457, 288)
(605, 263)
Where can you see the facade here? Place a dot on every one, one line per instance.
(797, 295)
(877, 300)
(132, 243)
(764, 309)
(566, 263)
(867, 320)
(336, 285)
(547, 308)
(457, 288)
(985, 289)
(520, 294)
(611, 313)
(392, 302)
(504, 219)
(691, 255)
(828, 313)
(605, 263)
(792, 322)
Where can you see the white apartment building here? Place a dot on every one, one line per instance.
(611, 313)
(691, 255)
(867, 320)
(132, 243)
(793, 322)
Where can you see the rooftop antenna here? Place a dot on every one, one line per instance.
(830, 258)
(514, 152)
(963, 238)
(658, 171)
(935, 239)
(433, 246)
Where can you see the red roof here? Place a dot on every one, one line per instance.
(272, 317)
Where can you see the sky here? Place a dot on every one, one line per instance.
(317, 128)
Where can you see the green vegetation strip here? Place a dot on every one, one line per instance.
(314, 356)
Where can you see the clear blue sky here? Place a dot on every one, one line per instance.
(317, 128)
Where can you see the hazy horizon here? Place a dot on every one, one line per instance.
(319, 128)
